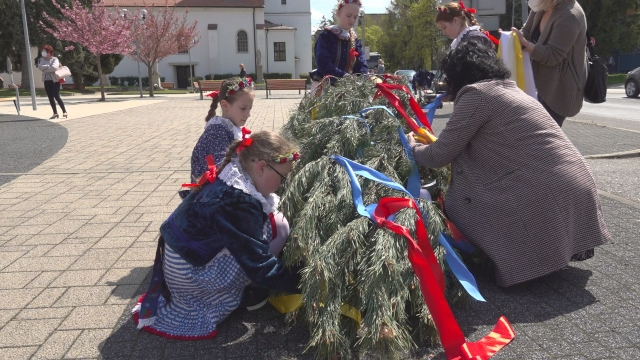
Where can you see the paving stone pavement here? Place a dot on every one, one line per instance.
(78, 231)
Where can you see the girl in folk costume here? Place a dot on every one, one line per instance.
(216, 242)
(236, 100)
(459, 23)
(338, 50)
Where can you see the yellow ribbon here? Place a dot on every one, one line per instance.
(289, 303)
(519, 64)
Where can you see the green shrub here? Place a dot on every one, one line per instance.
(307, 77)
(114, 80)
(278, 76)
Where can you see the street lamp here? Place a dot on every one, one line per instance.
(143, 16)
(362, 19)
(32, 84)
(191, 65)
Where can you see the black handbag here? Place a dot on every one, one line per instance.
(595, 90)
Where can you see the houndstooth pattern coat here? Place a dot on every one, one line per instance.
(520, 191)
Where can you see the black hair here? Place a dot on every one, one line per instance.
(471, 62)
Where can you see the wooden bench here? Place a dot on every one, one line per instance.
(15, 103)
(208, 85)
(166, 85)
(285, 84)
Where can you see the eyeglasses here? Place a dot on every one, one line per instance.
(282, 177)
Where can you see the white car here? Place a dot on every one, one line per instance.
(408, 73)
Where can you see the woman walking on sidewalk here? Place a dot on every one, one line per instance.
(48, 64)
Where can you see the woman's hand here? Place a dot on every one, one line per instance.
(526, 45)
(411, 139)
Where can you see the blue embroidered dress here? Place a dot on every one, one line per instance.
(333, 50)
(218, 135)
(213, 245)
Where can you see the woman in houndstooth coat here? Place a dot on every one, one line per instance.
(520, 191)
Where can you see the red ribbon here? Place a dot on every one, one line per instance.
(246, 140)
(213, 94)
(493, 39)
(209, 176)
(462, 7)
(431, 279)
(394, 100)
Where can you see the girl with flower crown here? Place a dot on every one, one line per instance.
(338, 50)
(459, 23)
(216, 242)
(236, 100)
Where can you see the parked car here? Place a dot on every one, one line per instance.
(438, 85)
(632, 83)
(409, 74)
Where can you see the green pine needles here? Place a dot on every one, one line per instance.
(349, 260)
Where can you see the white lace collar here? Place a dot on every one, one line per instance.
(236, 130)
(234, 176)
(464, 32)
(339, 32)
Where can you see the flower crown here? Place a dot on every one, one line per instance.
(246, 82)
(345, 2)
(294, 156)
(444, 9)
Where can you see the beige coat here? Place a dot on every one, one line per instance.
(520, 191)
(559, 59)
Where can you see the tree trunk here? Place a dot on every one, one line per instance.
(25, 83)
(150, 71)
(102, 98)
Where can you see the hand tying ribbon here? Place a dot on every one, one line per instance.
(213, 94)
(246, 140)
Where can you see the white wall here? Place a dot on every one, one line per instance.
(286, 36)
(302, 39)
(17, 76)
(297, 14)
(216, 52)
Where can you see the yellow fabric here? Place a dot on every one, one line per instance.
(314, 113)
(289, 303)
(519, 64)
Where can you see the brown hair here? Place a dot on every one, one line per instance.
(227, 85)
(48, 49)
(453, 11)
(265, 145)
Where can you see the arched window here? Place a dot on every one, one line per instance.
(242, 41)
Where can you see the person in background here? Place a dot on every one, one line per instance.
(555, 37)
(243, 72)
(338, 50)
(48, 64)
(380, 68)
(520, 191)
(459, 24)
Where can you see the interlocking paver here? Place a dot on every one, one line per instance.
(27, 332)
(57, 345)
(88, 344)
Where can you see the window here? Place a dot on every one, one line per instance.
(279, 51)
(242, 41)
(283, 2)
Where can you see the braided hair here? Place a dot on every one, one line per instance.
(227, 85)
(453, 10)
(265, 145)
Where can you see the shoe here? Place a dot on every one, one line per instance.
(582, 256)
(55, 116)
(254, 297)
(64, 115)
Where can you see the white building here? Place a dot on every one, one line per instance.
(230, 33)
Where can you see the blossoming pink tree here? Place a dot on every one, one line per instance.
(162, 33)
(96, 28)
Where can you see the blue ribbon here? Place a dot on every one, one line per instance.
(431, 107)
(352, 168)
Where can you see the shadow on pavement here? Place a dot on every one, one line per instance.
(27, 142)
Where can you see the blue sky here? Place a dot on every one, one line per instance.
(324, 7)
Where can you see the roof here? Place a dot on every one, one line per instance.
(273, 26)
(188, 3)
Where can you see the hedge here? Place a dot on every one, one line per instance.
(130, 80)
(253, 76)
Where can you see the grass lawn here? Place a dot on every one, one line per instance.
(146, 92)
(616, 79)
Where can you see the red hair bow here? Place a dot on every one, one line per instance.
(462, 7)
(246, 140)
(209, 176)
(213, 94)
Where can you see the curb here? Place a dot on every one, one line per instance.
(616, 155)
